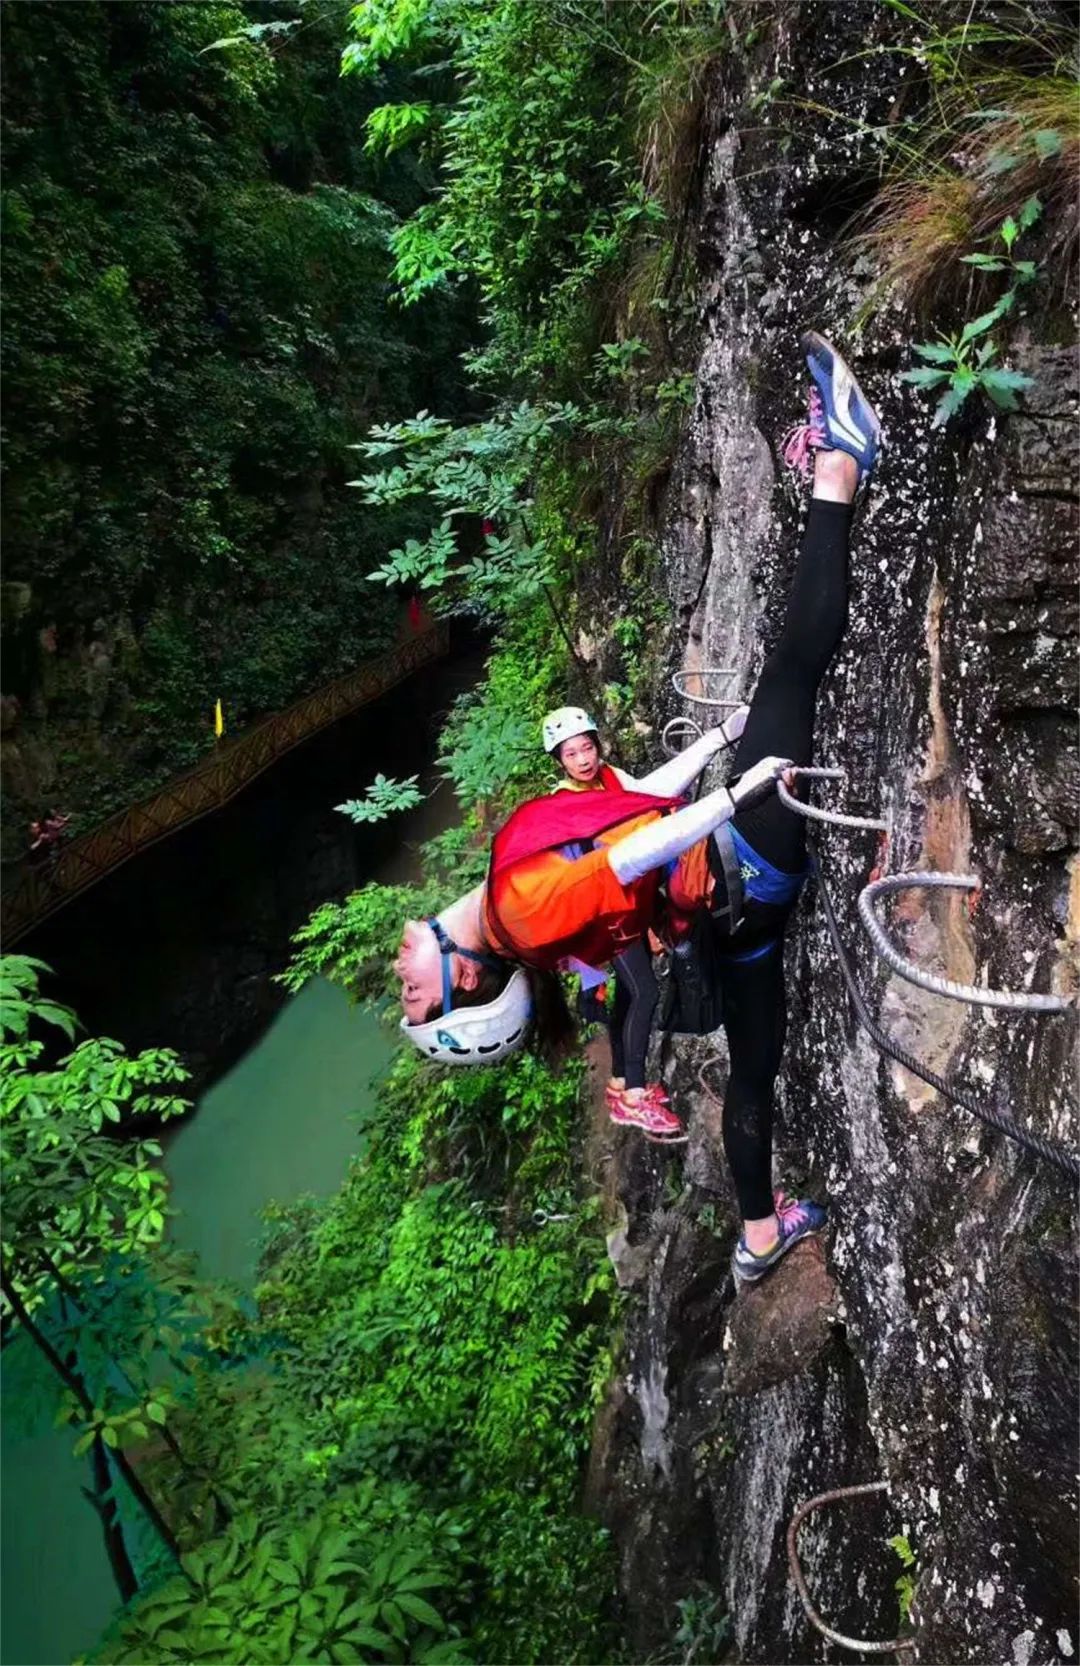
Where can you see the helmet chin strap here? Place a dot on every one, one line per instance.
(448, 947)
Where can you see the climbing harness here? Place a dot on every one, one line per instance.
(1052, 1151)
(811, 812)
(1012, 1000)
(894, 1645)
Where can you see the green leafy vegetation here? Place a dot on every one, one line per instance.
(380, 1460)
(381, 1457)
(905, 1585)
(995, 122)
(382, 799)
(963, 364)
(197, 319)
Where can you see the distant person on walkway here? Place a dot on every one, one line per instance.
(46, 834)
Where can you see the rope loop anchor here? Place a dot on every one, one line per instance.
(894, 1645)
(1011, 1000)
(679, 677)
(810, 811)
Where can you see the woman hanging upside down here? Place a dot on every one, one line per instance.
(738, 853)
(570, 736)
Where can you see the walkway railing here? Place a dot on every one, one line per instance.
(36, 893)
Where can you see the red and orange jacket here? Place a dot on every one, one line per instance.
(542, 907)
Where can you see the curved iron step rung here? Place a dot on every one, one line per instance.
(835, 817)
(1012, 1000)
(861, 1645)
(678, 677)
(674, 725)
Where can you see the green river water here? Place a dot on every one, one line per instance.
(282, 1122)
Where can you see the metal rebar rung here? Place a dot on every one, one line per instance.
(686, 725)
(1013, 1000)
(894, 1645)
(678, 677)
(833, 816)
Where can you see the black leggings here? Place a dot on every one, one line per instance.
(636, 995)
(780, 724)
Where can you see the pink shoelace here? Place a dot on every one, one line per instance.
(787, 1208)
(806, 438)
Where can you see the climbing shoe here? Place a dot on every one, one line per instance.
(841, 416)
(655, 1092)
(655, 1120)
(795, 1219)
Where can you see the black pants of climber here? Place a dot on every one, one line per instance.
(780, 724)
(636, 995)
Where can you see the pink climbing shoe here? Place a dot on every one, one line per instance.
(655, 1120)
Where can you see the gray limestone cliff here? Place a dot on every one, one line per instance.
(930, 1339)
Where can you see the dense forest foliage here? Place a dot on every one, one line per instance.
(198, 320)
(224, 266)
(384, 1461)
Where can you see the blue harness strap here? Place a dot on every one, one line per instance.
(447, 947)
(760, 879)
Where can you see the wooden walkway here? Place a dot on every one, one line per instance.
(36, 893)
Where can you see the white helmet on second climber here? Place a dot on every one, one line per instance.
(477, 1035)
(564, 724)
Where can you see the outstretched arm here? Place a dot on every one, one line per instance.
(673, 777)
(660, 842)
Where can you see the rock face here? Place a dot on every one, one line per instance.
(930, 1340)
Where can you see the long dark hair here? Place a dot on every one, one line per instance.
(555, 1033)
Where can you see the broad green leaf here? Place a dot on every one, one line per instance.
(370, 1638)
(938, 352)
(987, 320)
(420, 1610)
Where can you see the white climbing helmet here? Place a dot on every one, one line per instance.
(477, 1035)
(564, 724)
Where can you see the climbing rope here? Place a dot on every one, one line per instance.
(1012, 1000)
(1052, 1151)
(813, 814)
(895, 1645)
(678, 677)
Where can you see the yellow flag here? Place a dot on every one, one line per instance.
(219, 721)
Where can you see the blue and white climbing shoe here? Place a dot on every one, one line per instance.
(796, 1219)
(849, 421)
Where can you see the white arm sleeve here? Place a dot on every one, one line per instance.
(661, 841)
(672, 778)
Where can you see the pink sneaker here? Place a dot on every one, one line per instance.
(655, 1093)
(657, 1122)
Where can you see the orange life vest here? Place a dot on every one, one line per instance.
(541, 906)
